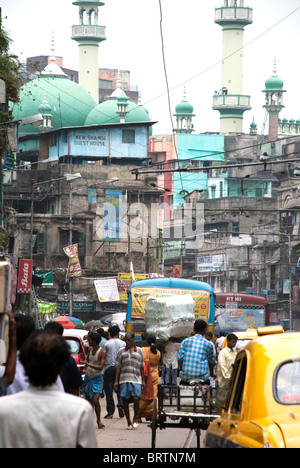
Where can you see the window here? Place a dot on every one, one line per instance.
(235, 229)
(105, 84)
(160, 168)
(128, 136)
(222, 189)
(39, 246)
(238, 384)
(287, 383)
(77, 238)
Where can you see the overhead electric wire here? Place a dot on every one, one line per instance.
(226, 166)
(241, 48)
(167, 82)
(200, 73)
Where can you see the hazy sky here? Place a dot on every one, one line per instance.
(192, 46)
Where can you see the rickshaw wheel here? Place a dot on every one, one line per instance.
(154, 424)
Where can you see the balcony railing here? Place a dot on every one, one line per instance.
(231, 101)
(233, 14)
(89, 32)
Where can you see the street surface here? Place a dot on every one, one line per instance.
(116, 436)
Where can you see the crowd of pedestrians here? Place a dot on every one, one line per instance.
(41, 386)
(37, 412)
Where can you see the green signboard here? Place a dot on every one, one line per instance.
(77, 306)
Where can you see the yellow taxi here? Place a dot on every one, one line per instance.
(263, 406)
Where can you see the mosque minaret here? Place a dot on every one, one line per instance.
(89, 34)
(230, 101)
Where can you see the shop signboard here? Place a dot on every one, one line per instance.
(107, 290)
(25, 276)
(124, 282)
(211, 263)
(77, 306)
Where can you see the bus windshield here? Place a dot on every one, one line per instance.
(140, 291)
(239, 312)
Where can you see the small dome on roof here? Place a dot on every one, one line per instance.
(274, 82)
(45, 107)
(53, 69)
(184, 107)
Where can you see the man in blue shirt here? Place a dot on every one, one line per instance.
(196, 355)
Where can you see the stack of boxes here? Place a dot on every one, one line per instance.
(171, 316)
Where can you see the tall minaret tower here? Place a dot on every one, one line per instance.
(231, 102)
(273, 102)
(88, 34)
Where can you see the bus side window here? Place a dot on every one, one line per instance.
(239, 378)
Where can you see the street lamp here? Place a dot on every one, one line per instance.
(290, 277)
(114, 179)
(34, 120)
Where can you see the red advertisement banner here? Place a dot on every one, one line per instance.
(25, 275)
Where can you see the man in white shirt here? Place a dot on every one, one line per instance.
(170, 362)
(41, 416)
(219, 343)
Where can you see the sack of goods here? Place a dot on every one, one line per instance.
(168, 317)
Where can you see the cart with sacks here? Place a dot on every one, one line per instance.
(187, 405)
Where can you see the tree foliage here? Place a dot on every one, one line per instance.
(9, 72)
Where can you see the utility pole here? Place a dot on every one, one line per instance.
(71, 242)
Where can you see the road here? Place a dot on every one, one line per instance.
(116, 436)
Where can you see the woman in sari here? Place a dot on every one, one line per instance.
(149, 394)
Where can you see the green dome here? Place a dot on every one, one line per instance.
(274, 83)
(44, 108)
(107, 113)
(184, 107)
(69, 102)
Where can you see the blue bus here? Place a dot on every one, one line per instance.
(139, 291)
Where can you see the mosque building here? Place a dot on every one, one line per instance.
(74, 170)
